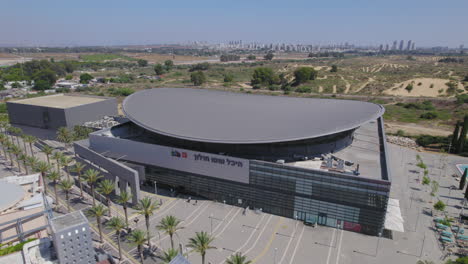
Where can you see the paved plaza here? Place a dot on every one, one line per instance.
(267, 238)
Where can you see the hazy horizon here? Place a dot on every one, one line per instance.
(105, 23)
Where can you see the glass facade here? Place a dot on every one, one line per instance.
(328, 198)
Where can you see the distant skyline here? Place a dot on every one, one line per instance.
(119, 22)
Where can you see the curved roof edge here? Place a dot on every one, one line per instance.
(351, 127)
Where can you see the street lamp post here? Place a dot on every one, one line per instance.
(211, 224)
(155, 188)
(276, 249)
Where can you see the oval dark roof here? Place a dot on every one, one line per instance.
(239, 118)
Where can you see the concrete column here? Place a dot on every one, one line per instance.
(116, 185)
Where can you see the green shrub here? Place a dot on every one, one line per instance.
(426, 180)
(15, 248)
(303, 89)
(426, 140)
(429, 115)
(440, 206)
(122, 91)
(409, 88)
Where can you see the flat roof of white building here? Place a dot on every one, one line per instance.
(60, 101)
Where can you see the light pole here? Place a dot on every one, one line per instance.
(159, 235)
(276, 249)
(211, 224)
(155, 188)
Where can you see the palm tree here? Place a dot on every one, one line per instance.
(31, 161)
(17, 152)
(54, 177)
(117, 224)
(146, 207)
(98, 211)
(170, 225)
(48, 150)
(23, 137)
(65, 136)
(22, 157)
(238, 258)
(91, 177)
(3, 140)
(43, 168)
(30, 140)
(57, 156)
(169, 255)
(123, 199)
(66, 186)
(106, 187)
(15, 131)
(201, 243)
(78, 169)
(65, 161)
(138, 238)
(9, 145)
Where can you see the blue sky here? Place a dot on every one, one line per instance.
(102, 22)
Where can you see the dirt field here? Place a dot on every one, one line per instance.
(429, 87)
(159, 58)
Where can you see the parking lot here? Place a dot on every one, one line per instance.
(267, 238)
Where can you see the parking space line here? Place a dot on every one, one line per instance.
(229, 223)
(289, 242)
(330, 246)
(297, 245)
(259, 235)
(270, 241)
(250, 237)
(339, 247)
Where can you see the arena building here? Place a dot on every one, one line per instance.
(316, 160)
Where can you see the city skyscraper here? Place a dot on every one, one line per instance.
(408, 47)
(394, 46)
(401, 45)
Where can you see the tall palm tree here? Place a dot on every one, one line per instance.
(78, 169)
(9, 148)
(146, 207)
(3, 140)
(169, 224)
(22, 157)
(17, 152)
(15, 131)
(238, 258)
(54, 177)
(66, 186)
(57, 156)
(98, 211)
(31, 161)
(106, 187)
(65, 136)
(91, 177)
(47, 150)
(123, 199)
(30, 140)
(201, 243)
(169, 255)
(117, 224)
(65, 161)
(138, 238)
(43, 168)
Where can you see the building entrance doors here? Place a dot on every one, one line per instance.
(322, 219)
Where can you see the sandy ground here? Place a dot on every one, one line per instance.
(415, 129)
(423, 89)
(364, 85)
